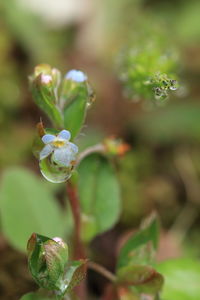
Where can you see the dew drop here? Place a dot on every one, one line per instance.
(160, 93)
(173, 85)
(53, 172)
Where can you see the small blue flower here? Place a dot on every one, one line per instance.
(63, 152)
(75, 75)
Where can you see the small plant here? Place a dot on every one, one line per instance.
(94, 196)
(148, 70)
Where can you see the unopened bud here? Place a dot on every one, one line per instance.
(47, 259)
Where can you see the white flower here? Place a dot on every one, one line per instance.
(63, 152)
(76, 75)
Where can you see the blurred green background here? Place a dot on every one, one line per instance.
(161, 172)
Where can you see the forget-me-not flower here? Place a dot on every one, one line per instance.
(63, 152)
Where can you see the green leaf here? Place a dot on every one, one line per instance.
(144, 278)
(41, 294)
(75, 98)
(182, 277)
(99, 194)
(27, 206)
(142, 245)
(35, 296)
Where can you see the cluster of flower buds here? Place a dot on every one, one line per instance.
(149, 71)
(161, 85)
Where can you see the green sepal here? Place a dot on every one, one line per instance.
(37, 146)
(75, 97)
(44, 97)
(45, 93)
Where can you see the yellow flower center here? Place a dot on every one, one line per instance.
(58, 143)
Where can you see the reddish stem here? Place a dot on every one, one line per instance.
(110, 293)
(79, 251)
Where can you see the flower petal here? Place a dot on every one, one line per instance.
(76, 75)
(48, 138)
(73, 147)
(63, 156)
(46, 151)
(65, 135)
(45, 79)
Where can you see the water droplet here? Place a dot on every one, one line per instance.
(53, 172)
(160, 93)
(173, 85)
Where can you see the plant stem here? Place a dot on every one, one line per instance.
(101, 270)
(100, 148)
(79, 251)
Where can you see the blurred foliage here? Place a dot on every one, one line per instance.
(178, 122)
(135, 169)
(146, 241)
(134, 266)
(23, 208)
(33, 37)
(181, 279)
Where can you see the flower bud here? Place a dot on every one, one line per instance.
(47, 259)
(44, 83)
(115, 146)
